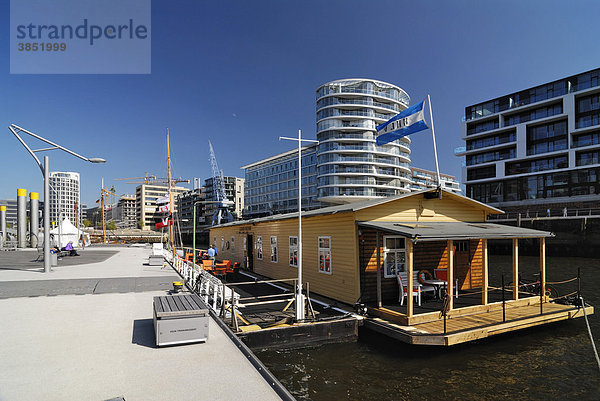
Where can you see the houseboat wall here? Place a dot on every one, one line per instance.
(341, 284)
(418, 209)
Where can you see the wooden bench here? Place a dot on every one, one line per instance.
(418, 288)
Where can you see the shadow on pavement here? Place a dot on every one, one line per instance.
(143, 333)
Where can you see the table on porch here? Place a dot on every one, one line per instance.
(438, 285)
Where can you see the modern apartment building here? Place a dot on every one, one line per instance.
(350, 167)
(234, 190)
(539, 147)
(64, 197)
(145, 202)
(272, 183)
(346, 165)
(423, 179)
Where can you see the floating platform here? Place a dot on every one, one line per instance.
(469, 324)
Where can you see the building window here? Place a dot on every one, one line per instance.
(325, 255)
(531, 166)
(222, 243)
(586, 158)
(244, 243)
(394, 255)
(232, 244)
(481, 172)
(294, 251)
(274, 249)
(259, 253)
(547, 138)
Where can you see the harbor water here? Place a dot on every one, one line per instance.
(551, 362)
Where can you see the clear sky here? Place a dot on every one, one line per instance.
(242, 73)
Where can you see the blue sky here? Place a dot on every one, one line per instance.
(243, 73)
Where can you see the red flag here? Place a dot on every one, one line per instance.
(163, 208)
(164, 223)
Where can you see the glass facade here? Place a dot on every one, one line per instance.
(523, 171)
(350, 165)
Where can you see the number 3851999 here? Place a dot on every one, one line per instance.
(42, 47)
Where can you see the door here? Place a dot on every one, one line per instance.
(250, 252)
(462, 264)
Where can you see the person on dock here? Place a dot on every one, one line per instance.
(212, 252)
(69, 248)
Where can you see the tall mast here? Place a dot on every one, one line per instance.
(170, 220)
(103, 221)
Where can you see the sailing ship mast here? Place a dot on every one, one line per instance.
(169, 183)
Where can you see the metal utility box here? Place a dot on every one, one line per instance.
(180, 319)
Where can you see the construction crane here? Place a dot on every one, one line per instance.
(147, 179)
(222, 214)
(152, 179)
(104, 193)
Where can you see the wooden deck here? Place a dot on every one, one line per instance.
(464, 327)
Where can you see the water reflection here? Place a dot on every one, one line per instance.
(554, 362)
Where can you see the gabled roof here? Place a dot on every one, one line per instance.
(437, 231)
(355, 206)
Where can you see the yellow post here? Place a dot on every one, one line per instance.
(170, 219)
(515, 266)
(485, 278)
(450, 274)
(409, 278)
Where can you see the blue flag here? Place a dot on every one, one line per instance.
(402, 124)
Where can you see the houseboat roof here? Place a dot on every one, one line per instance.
(355, 206)
(436, 231)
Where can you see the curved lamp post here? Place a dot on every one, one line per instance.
(15, 129)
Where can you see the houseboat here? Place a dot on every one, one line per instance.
(417, 263)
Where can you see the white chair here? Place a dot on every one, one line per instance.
(418, 288)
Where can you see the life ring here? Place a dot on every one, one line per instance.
(426, 273)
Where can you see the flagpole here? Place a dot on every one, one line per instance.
(437, 167)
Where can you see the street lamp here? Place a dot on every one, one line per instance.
(15, 129)
(299, 296)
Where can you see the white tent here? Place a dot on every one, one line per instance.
(66, 232)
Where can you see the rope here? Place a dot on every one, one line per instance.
(562, 282)
(590, 332)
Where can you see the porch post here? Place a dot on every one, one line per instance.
(409, 277)
(515, 263)
(451, 274)
(378, 272)
(543, 262)
(485, 278)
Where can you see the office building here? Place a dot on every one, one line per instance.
(234, 191)
(64, 197)
(185, 209)
(535, 148)
(350, 167)
(272, 183)
(145, 203)
(423, 179)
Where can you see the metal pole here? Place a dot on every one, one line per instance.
(21, 218)
(579, 285)
(34, 222)
(2, 225)
(437, 167)
(503, 302)
(46, 215)
(299, 296)
(379, 304)
(194, 240)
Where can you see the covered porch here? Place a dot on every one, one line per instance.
(456, 251)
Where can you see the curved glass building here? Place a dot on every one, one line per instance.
(350, 166)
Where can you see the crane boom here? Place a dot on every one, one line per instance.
(222, 215)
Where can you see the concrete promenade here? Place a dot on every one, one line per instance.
(100, 345)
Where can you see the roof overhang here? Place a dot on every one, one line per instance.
(442, 231)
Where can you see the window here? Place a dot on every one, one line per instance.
(325, 255)
(393, 255)
(274, 249)
(222, 243)
(294, 251)
(232, 244)
(244, 243)
(259, 254)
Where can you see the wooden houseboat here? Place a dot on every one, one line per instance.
(399, 256)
